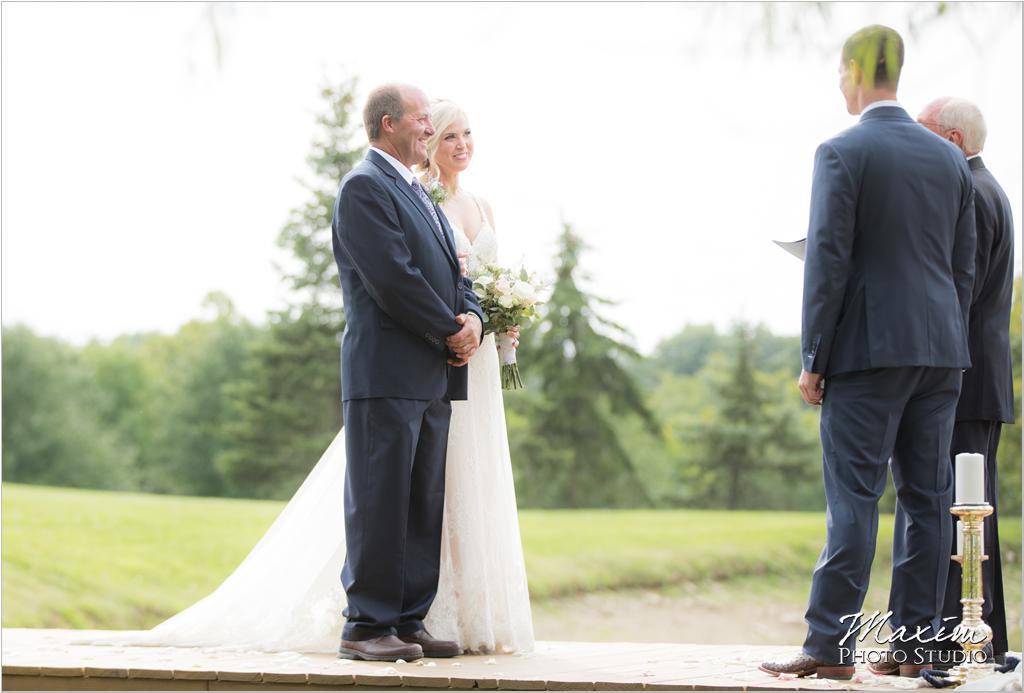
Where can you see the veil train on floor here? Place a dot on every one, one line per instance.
(286, 595)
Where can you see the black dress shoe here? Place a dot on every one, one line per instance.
(432, 647)
(804, 664)
(386, 648)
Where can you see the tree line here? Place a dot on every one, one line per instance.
(225, 407)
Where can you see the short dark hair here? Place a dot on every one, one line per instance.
(382, 101)
(878, 51)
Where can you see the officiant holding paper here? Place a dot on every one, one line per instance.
(887, 288)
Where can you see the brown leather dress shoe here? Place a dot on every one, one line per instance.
(888, 666)
(805, 665)
(885, 666)
(432, 647)
(386, 648)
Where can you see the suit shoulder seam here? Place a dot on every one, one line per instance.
(839, 157)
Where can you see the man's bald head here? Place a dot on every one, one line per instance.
(386, 100)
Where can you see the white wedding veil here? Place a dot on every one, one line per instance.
(286, 595)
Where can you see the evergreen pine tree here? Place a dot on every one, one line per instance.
(574, 457)
(753, 436)
(289, 407)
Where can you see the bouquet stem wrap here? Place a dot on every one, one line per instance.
(510, 379)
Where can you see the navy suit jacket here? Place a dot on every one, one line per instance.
(987, 393)
(889, 265)
(402, 288)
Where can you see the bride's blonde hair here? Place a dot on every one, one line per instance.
(442, 114)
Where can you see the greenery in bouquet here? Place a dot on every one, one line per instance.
(508, 299)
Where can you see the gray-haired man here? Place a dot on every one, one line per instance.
(986, 398)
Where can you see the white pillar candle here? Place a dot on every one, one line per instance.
(970, 478)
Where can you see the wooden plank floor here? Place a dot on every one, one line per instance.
(48, 660)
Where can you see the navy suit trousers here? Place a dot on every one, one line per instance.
(394, 505)
(905, 414)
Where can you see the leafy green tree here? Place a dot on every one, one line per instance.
(131, 375)
(688, 351)
(772, 353)
(665, 464)
(573, 456)
(163, 396)
(208, 361)
(287, 408)
(53, 429)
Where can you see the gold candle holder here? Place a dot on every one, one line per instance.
(975, 634)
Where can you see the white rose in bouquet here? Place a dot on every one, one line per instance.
(524, 291)
(508, 299)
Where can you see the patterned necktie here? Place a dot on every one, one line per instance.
(430, 205)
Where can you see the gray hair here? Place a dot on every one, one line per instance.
(385, 100)
(966, 117)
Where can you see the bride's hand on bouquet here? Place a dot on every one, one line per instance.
(513, 332)
(462, 264)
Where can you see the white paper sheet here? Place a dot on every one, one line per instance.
(794, 248)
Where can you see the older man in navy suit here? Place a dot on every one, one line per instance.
(413, 322)
(986, 400)
(887, 289)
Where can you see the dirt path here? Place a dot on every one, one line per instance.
(721, 613)
(753, 611)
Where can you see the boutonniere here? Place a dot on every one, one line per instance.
(438, 195)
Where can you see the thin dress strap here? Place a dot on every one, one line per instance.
(480, 208)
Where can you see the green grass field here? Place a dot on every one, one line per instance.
(92, 559)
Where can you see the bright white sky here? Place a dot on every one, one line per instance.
(137, 175)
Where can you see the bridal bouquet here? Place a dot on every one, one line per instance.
(508, 298)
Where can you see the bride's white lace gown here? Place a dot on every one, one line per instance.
(286, 595)
(482, 600)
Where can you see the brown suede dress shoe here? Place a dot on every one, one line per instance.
(432, 647)
(386, 648)
(805, 665)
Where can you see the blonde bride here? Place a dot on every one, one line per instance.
(287, 596)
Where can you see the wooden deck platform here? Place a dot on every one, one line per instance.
(46, 660)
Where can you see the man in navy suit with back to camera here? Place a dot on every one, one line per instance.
(888, 276)
(413, 322)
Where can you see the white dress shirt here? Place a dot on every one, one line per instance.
(881, 104)
(402, 169)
